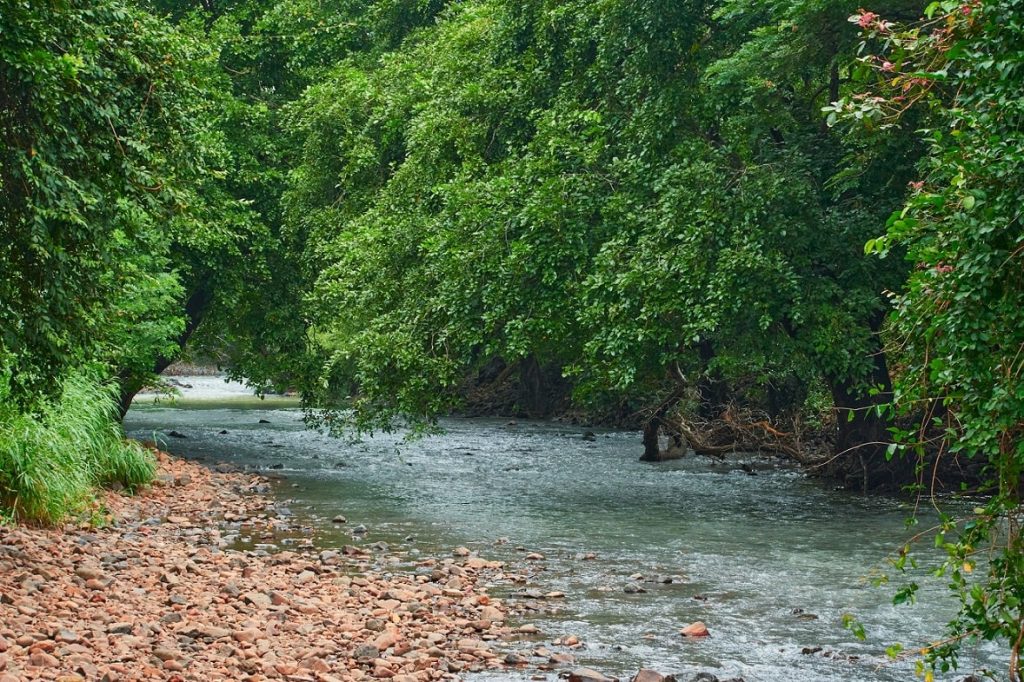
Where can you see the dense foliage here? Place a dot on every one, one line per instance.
(661, 207)
(959, 320)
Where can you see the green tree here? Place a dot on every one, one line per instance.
(959, 320)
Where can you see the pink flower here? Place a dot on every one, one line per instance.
(866, 19)
(916, 186)
(887, 66)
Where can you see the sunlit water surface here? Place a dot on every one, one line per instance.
(759, 555)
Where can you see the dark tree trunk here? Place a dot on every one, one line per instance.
(652, 434)
(652, 449)
(712, 388)
(533, 398)
(862, 431)
(195, 309)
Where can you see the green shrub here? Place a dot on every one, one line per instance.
(52, 458)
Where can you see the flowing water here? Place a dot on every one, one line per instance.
(771, 562)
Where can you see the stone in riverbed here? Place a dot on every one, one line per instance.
(67, 636)
(120, 629)
(42, 659)
(693, 630)
(492, 613)
(589, 675)
(339, 519)
(257, 599)
(705, 677)
(90, 573)
(648, 675)
(247, 636)
(561, 659)
(366, 651)
(386, 640)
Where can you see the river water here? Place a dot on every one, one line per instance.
(770, 562)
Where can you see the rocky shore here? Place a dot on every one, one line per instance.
(162, 591)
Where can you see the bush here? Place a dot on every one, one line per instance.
(52, 458)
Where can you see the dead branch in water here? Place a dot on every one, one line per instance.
(746, 430)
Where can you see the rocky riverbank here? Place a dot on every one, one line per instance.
(162, 591)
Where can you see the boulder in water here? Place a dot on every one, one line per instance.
(648, 675)
(705, 677)
(589, 675)
(697, 629)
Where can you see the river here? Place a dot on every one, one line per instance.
(770, 562)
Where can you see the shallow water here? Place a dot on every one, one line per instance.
(758, 554)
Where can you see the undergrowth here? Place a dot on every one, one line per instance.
(53, 457)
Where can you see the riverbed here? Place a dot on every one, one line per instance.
(771, 562)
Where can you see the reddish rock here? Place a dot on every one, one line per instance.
(385, 640)
(697, 629)
(42, 659)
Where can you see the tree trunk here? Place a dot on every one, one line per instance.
(533, 399)
(862, 431)
(712, 389)
(195, 309)
(652, 433)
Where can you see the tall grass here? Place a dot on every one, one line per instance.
(52, 459)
